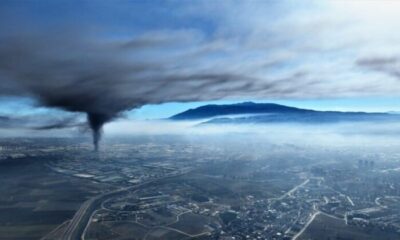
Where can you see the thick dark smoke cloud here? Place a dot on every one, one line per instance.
(40, 122)
(64, 73)
(102, 78)
(103, 58)
(67, 122)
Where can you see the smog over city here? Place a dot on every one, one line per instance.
(199, 119)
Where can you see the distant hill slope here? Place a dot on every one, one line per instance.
(210, 111)
(274, 113)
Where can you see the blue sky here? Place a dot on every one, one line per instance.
(152, 59)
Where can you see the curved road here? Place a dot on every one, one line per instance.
(76, 226)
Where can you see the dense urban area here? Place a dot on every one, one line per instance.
(176, 188)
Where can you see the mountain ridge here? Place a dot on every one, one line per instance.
(214, 110)
(272, 112)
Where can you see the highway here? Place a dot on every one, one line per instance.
(76, 226)
(290, 192)
(307, 224)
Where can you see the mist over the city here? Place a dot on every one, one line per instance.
(199, 120)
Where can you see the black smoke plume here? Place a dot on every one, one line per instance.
(74, 69)
(101, 78)
(96, 122)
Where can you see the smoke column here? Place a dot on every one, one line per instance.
(96, 122)
(76, 68)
